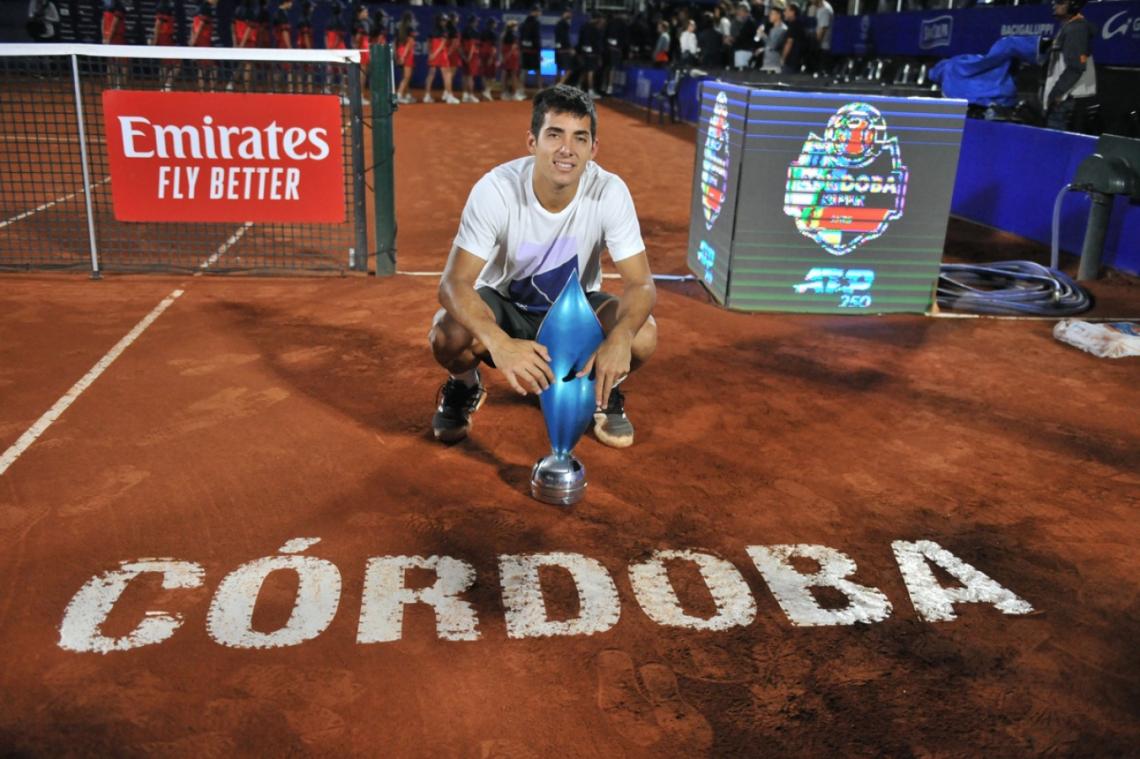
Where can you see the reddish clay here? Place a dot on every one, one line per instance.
(259, 410)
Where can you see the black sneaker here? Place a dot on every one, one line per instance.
(611, 426)
(457, 403)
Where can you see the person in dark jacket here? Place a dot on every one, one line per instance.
(796, 41)
(710, 41)
(563, 47)
(1070, 77)
(616, 50)
(591, 37)
(744, 37)
(530, 45)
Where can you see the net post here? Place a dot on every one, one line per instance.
(383, 151)
(360, 218)
(86, 169)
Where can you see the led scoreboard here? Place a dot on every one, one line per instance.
(822, 203)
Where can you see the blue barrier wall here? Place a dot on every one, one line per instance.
(1008, 177)
(944, 33)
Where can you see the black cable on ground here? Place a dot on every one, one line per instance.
(1010, 287)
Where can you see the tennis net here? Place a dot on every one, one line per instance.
(90, 178)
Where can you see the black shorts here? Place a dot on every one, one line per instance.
(523, 325)
(564, 59)
(531, 60)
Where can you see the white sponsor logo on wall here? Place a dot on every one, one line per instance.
(1121, 25)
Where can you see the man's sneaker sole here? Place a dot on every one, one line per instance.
(619, 439)
(455, 434)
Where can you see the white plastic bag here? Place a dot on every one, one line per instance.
(1107, 340)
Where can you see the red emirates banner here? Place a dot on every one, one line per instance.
(188, 156)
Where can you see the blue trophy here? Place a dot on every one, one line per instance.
(571, 333)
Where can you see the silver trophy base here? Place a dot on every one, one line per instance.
(558, 480)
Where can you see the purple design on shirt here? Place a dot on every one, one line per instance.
(542, 271)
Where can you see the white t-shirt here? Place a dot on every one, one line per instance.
(823, 15)
(530, 252)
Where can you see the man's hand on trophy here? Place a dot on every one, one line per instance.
(610, 364)
(525, 364)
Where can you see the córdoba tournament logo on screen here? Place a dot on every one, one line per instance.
(714, 162)
(846, 188)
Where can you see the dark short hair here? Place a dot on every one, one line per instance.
(562, 98)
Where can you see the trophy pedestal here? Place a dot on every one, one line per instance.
(558, 480)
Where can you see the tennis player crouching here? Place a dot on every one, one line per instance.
(528, 226)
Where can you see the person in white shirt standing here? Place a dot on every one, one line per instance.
(528, 227)
(824, 16)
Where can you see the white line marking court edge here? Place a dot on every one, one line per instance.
(41, 425)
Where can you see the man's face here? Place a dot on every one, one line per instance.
(563, 148)
(774, 17)
(1061, 9)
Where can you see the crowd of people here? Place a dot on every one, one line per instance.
(472, 58)
(783, 36)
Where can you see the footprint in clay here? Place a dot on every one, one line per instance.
(657, 712)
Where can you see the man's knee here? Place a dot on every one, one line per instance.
(448, 337)
(645, 341)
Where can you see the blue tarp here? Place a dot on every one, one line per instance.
(986, 79)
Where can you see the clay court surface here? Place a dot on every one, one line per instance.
(255, 411)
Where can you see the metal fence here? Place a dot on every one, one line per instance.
(55, 182)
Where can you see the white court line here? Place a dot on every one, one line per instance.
(223, 248)
(49, 204)
(71, 395)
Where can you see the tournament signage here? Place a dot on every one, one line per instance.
(974, 30)
(224, 157)
(841, 205)
(720, 152)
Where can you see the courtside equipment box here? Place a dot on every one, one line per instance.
(822, 202)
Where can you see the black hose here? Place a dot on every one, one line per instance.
(1010, 287)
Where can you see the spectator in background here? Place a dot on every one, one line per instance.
(114, 23)
(471, 61)
(163, 36)
(282, 27)
(303, 40)
(690, 48)
(406, 55)
(454, 56)
(264, 25)
(794, 46)
(1070, 75)
(530, 42)
(661, 49)
(710, 41)
(245, 25)
(489, 51)
(380, 28)
(114, 32)
(282, 30)
(362, 32)
(744, 37)
(591, 37)
(616, 37)
(438, 59)
(43, 21)
(335, 27)
(563, 48)
(774, 40)
(824, 16)
(202, 35)
(361, 38)
(512, 87)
